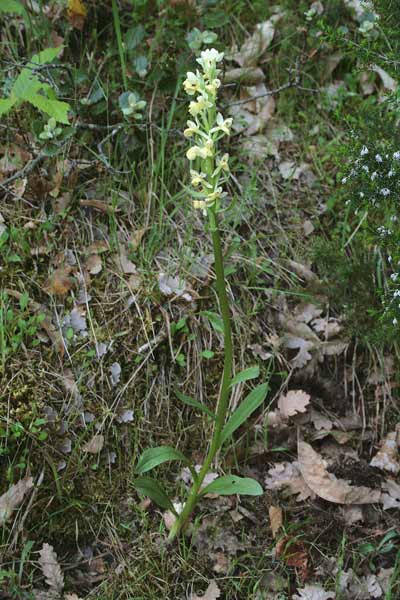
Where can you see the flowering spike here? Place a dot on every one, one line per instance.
(208, 127)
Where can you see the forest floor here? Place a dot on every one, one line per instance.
(106, 277)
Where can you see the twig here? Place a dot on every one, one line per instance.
(25, 170)
(294, 82)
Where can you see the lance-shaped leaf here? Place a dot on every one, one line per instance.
(245, 375)
(231, 484)
(244, 410)
(152, 457)
(195, 403)
(151, 488)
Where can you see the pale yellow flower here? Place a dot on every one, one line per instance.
(201, 104)
(209, 58)
(199, 204)
(191, 83)
(193, 152)
(214, 196)
(197, 178)
(191, 130)
(222, 163)
(222, 125)
(207, 151)
(213, 86)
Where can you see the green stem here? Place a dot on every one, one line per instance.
(224, 393)
(121, 51)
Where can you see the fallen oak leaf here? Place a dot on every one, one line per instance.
(60, 282)
(14, 496)
(288, 475)
(293, 552)
(123, 263)
(313, 592)
(50, 568)
(295, 401)
(94, 264)
(212, 593)
(387, 458)
(391, 499)
(256, 44)
(325, 485)
(95, 445)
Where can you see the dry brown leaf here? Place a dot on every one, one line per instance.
(295, 401)
(212, 593)
(123, 263)
(60, 282)
(247, 76)
(97, 204)
(352, 514)
(319, 421)
(391, 499)
(45, 595)
(294, 553)
(313, 592)
(169, 519)
(136, 238)
(328, 326)
(258, 147)
(387, 458)
(98, 247)
(273, 419)
(388, 82)
(308, 227)
(50, 568)
(276, 519)
(174, 286)
(221, 564)
(255, 45)
(95, 445)
(94, 264)
(302, 271)
(288, 475)
(325, 484)
(13, 497)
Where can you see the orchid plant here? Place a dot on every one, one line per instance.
(209, 171)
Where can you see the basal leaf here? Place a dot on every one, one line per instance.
(152, 457)
(244, 410)
(192, 402)
(54, 108)
(231, 484)
(250, 373)
(151, 488)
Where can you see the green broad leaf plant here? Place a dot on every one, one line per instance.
(209, 171)
(29, 88)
